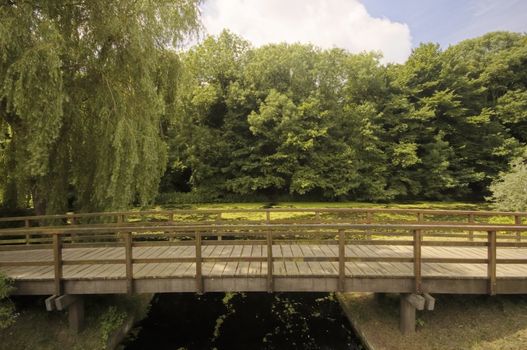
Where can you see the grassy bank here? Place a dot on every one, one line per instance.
(458, 322)
(257, 205)
(36, 328)
(310, 205)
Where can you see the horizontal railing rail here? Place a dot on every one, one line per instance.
(170, 215)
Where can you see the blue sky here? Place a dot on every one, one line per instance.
(391, 27)
(449, 21)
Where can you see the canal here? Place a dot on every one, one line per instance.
(243, 321)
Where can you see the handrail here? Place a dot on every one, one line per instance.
(113, 228)
(269, 210)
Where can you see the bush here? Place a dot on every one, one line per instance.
(509, 190)
(109, 322)
(7, 308)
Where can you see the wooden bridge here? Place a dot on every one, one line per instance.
(416, 253)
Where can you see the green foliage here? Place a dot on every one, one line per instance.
(230, 310)
(7, 308)
(509, 190)
(85, 89)
(97, 111)
(109, 322)
(326, 123)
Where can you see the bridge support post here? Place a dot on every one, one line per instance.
(408, 304)
(76, 315)
(74, 304)
(407, 316)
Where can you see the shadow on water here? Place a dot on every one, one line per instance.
(244, 321)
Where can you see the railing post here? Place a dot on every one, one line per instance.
(417, 260)
(342, 260)
(28, 236)
(420, 217)
(268, 216)
(491, 265)
(270, 284)
(199, 277)
(317, 216)
(218, 222)
(121, 218)
(518, 222)
(470, 221)
(171, 216)
(369, 217)
(57, 263)
(129, 262)
(73, 236)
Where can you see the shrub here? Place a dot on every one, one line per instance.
(509, 190)
(7, 308)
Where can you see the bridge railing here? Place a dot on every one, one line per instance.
(271, 215)
(337, 245)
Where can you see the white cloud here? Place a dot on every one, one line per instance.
(325, 23)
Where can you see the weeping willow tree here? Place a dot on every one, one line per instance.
(83, 99)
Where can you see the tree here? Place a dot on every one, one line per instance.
(300, 120)
(82, 98)
(509, 189)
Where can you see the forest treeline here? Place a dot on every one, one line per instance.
(98, 111)
(300, 120)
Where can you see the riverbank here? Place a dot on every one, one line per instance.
(36, 328)
(458, 322)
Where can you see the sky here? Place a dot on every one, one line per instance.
(392, 27)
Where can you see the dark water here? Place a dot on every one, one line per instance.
(244, 321)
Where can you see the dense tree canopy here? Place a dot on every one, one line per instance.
(300, 120)
(84, 89)
(98, 109)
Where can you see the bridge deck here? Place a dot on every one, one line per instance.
(245, 275)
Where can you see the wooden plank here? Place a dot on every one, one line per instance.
(50, 303)
(217, 269)
(291, 268)
(430, 302)
(328, 267)
(296, 251)
(417, 301)
(243, 269)
(86, 271)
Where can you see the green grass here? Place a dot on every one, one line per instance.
(311, 205)
(36, 328)
(458, 322)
